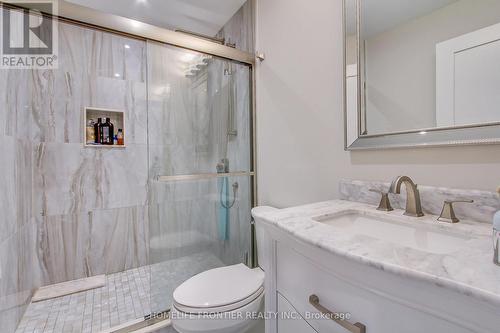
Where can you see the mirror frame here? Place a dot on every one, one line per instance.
(475, 134)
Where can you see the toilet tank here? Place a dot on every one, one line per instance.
(263, 241)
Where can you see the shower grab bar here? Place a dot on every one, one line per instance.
(202, 176)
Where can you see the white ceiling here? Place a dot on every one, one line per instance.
(202, 16)
(382, 15)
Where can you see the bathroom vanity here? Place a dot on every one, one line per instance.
(381, 272)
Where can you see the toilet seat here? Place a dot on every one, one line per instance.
(219, 290)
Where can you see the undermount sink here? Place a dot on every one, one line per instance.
(417, 236)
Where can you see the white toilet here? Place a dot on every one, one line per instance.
(222, 300)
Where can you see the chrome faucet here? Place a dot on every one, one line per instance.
(413, 203)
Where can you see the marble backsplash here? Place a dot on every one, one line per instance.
(485, 205)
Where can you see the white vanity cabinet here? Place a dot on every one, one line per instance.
(298, 278)
(382, 301)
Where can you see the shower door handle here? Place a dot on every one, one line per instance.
(203, 176)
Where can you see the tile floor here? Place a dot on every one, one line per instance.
(126, 296)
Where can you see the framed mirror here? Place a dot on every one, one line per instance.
(421, 73)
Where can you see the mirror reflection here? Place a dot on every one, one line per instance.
(424, 64)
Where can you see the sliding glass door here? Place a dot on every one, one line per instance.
(200, 166)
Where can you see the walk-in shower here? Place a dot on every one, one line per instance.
(140, 219)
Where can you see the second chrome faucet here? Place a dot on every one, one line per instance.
(413, 203)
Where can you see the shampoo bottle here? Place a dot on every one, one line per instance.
(97, 131)
(107, 130)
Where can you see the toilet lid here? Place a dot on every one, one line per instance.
(219, 287)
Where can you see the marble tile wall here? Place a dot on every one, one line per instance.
(17, 234)
(98, 242)
(17, 230)
(240, 28)
(89, 209)
(482, 210)
(69, 211)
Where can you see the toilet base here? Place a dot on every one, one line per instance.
(200, 324)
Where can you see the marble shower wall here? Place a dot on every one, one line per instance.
(67, 211)
(239, 30)
(18, 275)
(89, 209)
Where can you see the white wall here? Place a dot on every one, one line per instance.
(300, 126)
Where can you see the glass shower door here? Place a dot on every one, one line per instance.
(199, 128)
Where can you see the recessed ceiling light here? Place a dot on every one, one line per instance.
(126, 46)
(117, 75)
(423, 133)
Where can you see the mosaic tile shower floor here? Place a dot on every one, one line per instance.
(127, 296)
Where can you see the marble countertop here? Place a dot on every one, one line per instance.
(469, 271)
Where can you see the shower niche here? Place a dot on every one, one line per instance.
(109, 133)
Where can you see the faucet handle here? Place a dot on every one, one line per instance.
(385, 204)
(448, 213)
